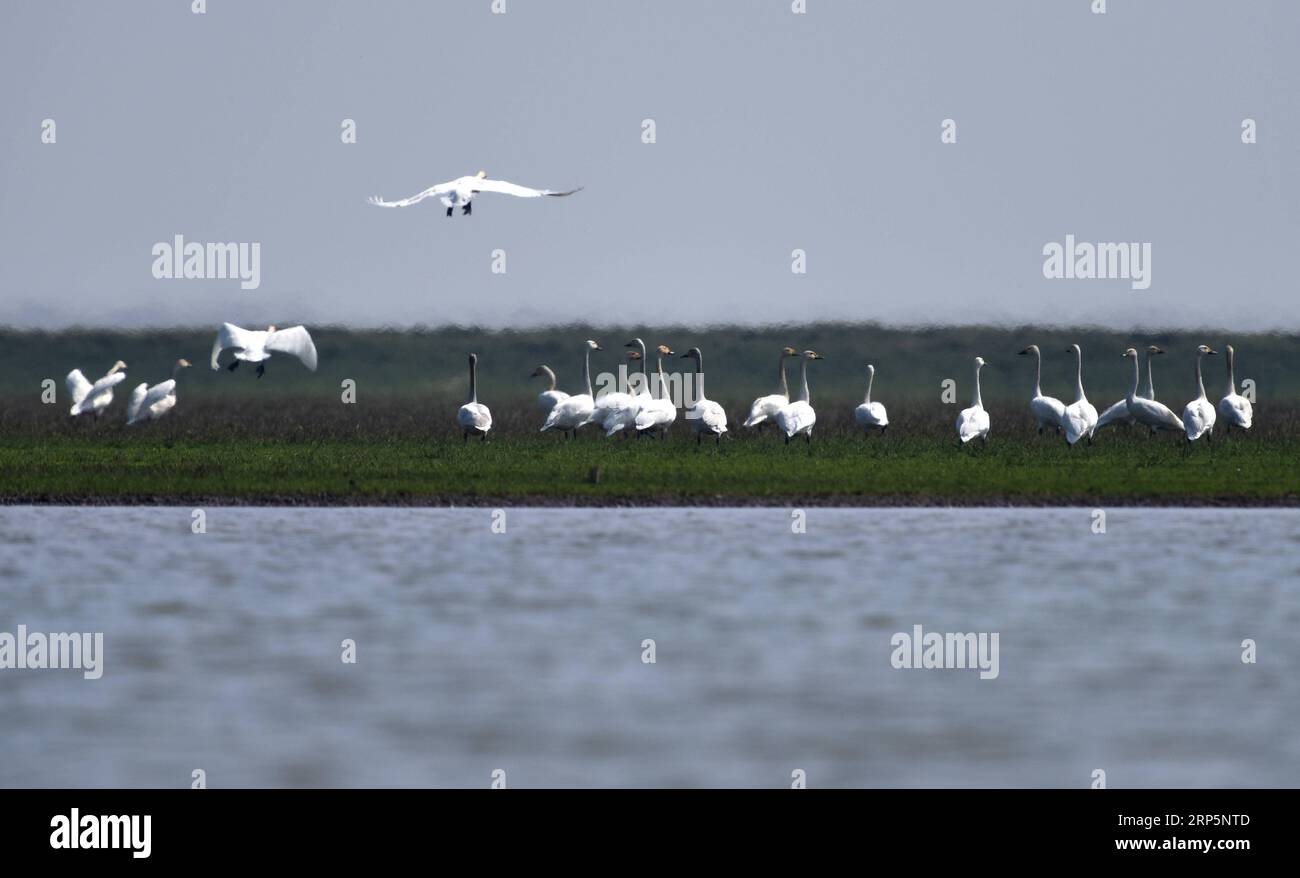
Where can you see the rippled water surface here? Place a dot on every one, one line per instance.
(523, 651)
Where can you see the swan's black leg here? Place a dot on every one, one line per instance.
(464, 436)
(467, 209)
(787, 440)
(449, 210)
(233, 366)
(261, 369)
(883, 429)
(698, 438)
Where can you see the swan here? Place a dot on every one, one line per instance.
(549, 397)
(659, 413)
(1118, 412)
(255, 346)
(1236, 410)
(973, 422)
(151, 403)
(570, 414)
(617, 411)
(473, 416)
(1146, 410)
(706, 416)
(1198, 415)
(798, 417)
(1047, 410)
(871, 414)
(87, 397)
(1080, 418)
(764, 409)
(462, 190)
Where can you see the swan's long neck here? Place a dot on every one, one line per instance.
(1232, 379)
(1151, 385)
(586, 370)
(645, 376)
(1038, 373)
(871, 376)
(663, 379)
(550, 376)
(1200, 385)
(804, 395)
(1078, 378)
(1137, 376)
(977, 401)
(176, 371)
(699, 378)
(473, 386)
(782, 387)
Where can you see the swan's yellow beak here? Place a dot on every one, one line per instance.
(481, 174)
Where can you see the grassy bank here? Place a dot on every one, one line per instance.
(400, 453)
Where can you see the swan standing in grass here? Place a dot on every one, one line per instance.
(1235, 409)
(706, 416)
(474, 417)
(461, 191)
(1198, 416)
(255, 346)
(1119, 412)
(570, 414)
(618, 411)
(973, 422)
(151, 403)
(871, 414)
(549, 397)
(1146, 410)
(764, 409)
(1047, 410)
(87, 397)
(659, 413)
(798, 418)
(1080, 418)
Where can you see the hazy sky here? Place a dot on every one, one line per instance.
(774, 131)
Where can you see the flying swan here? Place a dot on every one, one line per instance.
(87, 397)
(255, 346)
(151, 403)
(462, 190)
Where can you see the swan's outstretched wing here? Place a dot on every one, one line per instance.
(505, 188)
(294, 340)
(440, 189)
(136, 402)
(1116, 413)
(78, 386)
(229, 336)
(108, 382)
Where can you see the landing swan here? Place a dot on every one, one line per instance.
(473, 416)
(1080, 419)
(570, 414)
(1198, 416)
(1235, 409)
(706, 416)
(255, 346)
(871, 414)
(1047, 410)
(462, 190)
(151, 403)
(798, 417)
(973, 422)
(764, 409)
(87, 397)
(549, 397)
(659, 413)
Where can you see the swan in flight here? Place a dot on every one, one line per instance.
(659, 413)
(706, 416)
(764, 409)
(151, 403)
(473, 416)
(570, 414)
(1119, 412)
(1080, 418)
(255, 346)
(87, 397)
(549, 397)
(462, 190)
(973, 422)
(1047, 410)
(1144, 409)
(871, 414)
(798, 418)
(1235, 409)
(1198, 415)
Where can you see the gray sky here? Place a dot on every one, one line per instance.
(775, 131)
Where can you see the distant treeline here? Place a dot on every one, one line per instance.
(740, 363)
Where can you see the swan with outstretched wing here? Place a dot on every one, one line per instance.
(461, 191)
(256, 346)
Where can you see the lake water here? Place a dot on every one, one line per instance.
(523, 651)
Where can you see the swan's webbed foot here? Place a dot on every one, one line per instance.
(467, 209)
(261, 369)
(449, 210)
(233, 366)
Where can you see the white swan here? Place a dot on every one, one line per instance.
(473, 416)
(462, 190)
(1235, 409)
(1198, 415)
(1047, 410)
(570, 414)
(1147, 410)
(87, 397)
(549, 397)
(764, 409)
(151, 403)
(1119, 413)
(871, 414)
(706, 416)
(255, 346)
(660, 412)
(617, 411)
(1080, 418)
(973, 422)
(798, 418)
